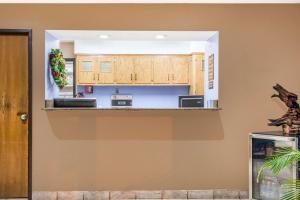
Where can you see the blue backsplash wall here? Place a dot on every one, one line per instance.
(143, 96)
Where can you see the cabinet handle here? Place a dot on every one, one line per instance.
(130, 76)
(135, 76)
(98, 77)
(94, 77)
(168, 77)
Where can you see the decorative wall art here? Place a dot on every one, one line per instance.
(211, 71)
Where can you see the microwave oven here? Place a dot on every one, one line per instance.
(193, 101)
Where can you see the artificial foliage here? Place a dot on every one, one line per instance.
(284, 157)
(58, 68)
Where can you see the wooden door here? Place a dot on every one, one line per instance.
(105, 70)
(143, 69)
(161, 69)
(124, 73)
(180, 69)
(85, 72)
(14, 103)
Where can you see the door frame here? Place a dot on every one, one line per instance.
(26, 32)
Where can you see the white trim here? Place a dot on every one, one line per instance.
(151, 1)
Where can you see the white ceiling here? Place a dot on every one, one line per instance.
(71, 35)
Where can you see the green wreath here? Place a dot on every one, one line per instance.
(58, 68)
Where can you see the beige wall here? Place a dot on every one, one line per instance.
(87, 150)
(68, 49)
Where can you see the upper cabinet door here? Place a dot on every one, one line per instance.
(124, 73)
(105, 70)
(198, 61)
(161, 69)
(86, 67)
(180, 68)
(143, 69)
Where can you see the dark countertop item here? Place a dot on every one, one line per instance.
(75, 102)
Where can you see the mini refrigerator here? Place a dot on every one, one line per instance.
(69, 90)
(261, 146)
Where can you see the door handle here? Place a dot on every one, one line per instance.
(23, 116)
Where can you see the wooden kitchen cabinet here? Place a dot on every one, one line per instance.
(86, 70)
(140, 70)
(171, 69)
(180, 69)
(124, 73)
(162, 69)
(197, 74)
(105, 70)
(133, 69)
(143, 69)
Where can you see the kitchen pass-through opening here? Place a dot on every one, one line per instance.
(131, 69)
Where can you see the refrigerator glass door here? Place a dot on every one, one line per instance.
(69, 90)
(269, 186)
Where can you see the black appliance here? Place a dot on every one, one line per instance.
(75, 102)
(194, 101)
(121, 100)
